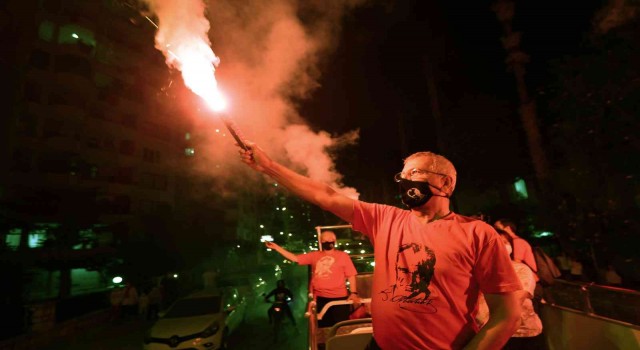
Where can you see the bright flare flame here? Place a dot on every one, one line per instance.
(182, 37)
(196, 62)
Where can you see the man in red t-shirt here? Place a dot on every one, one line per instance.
(330, 268)
(430, 263)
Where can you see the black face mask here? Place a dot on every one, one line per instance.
(328, 245)
(416, 193)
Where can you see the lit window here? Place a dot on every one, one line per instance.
(75, 34)
(187, 136)
(189, 152)
(36, 238)
(12, 239)
(521, 188)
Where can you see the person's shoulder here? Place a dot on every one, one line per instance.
(343, 254)
(310, 254)
(463, 219)
(522, 242)
(471, 222)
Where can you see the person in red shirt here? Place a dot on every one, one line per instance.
(430, 263)
(522, 251)
(330, 268)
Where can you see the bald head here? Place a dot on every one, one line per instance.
(437, 164)
(328, 236)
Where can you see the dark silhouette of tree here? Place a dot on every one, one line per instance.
(516, 61)
(593, 128)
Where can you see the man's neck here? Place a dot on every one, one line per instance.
(436, 208)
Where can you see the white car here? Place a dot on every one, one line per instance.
(201, 321)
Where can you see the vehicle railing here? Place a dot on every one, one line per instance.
(343, 335)
(314, 316)
(339, 302)
(322, 228)
(613, 303)
(313, 323)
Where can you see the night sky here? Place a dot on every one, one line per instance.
(376, 81)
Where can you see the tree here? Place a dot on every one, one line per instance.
(516, 61)
(593, 128)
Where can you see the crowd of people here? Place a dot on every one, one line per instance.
(130, 302)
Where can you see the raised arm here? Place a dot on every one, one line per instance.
(287, 254)
(504, 320)
(312, 191)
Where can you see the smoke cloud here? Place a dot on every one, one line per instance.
(615, 14)
(270, 53)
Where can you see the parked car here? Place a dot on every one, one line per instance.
(202, 321)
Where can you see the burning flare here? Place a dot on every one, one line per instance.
(182, 37)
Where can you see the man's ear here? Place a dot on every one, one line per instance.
(448, 185)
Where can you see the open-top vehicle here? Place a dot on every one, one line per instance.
(575, 316)
(356, 332)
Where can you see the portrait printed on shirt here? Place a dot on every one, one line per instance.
(415, 264)
(323, 266)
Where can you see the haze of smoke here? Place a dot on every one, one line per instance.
(616, 13)
(302, 145)
(269, 58)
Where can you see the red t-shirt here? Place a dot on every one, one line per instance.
(427, 276)
(522, 252)
(330, 271)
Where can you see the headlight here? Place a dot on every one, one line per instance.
(211, 330)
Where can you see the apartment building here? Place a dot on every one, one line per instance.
(90, 112)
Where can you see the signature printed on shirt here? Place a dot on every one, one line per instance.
(420, 305)
(415, 265)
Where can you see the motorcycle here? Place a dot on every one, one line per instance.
(277, 314)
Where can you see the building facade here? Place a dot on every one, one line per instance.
(89, 115)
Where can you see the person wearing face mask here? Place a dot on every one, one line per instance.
(430, 263)
(330, 268)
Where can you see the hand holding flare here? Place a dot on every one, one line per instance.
(255, 157)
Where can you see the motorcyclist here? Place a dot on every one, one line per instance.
(282, 296)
